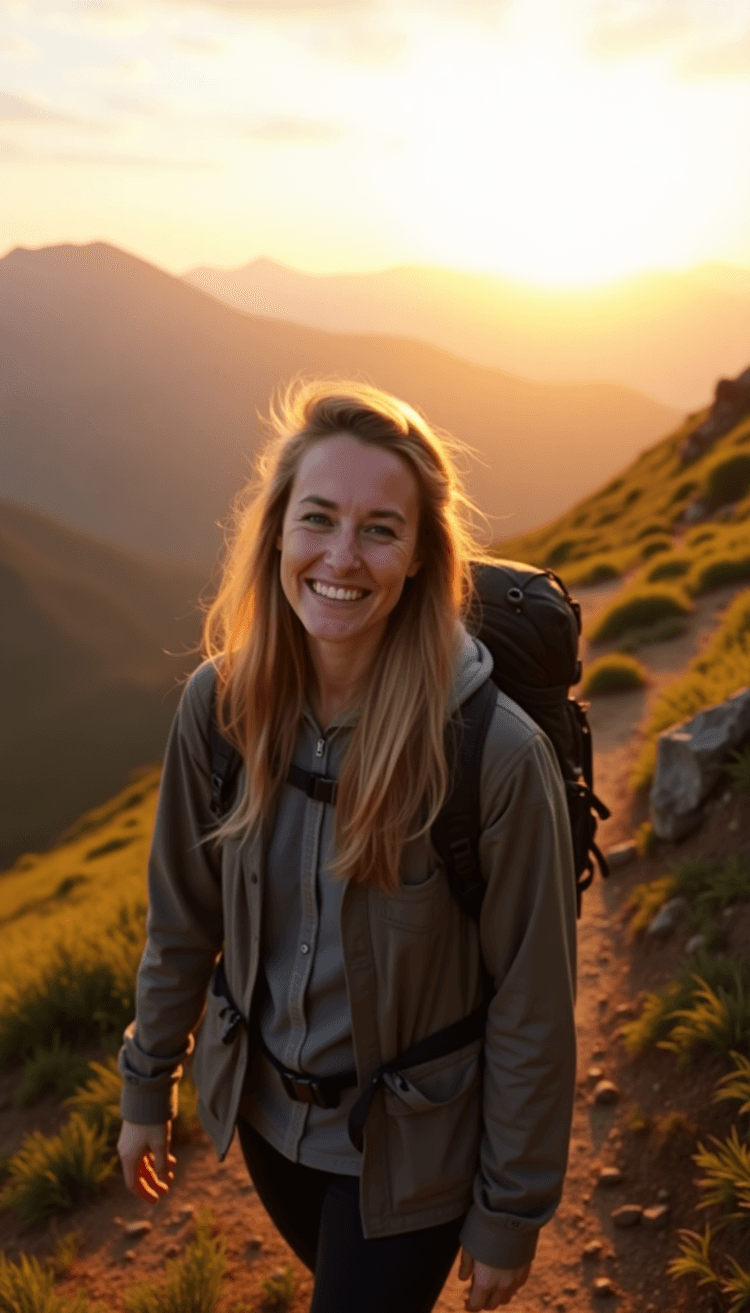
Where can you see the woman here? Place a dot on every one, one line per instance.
(336, 647)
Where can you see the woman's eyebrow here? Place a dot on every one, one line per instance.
(333, 506)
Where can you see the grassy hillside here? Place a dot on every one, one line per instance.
(636, 521)
(130, 403)
(95, 641)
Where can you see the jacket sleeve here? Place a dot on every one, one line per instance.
(528, 941)
(184, 924)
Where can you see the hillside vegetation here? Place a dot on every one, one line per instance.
(95, 641)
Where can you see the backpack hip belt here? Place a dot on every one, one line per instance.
(325, 1091)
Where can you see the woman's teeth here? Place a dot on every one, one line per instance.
(338, 594)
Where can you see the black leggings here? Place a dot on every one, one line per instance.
(318, 1215)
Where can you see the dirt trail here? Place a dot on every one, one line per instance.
(562, 1278)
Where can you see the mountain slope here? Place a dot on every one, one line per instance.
(90, 685)
(668, 335)
(130, 404)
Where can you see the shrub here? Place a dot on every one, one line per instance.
(661, 632)
(560, 552)
(653, 530)
(595, 570)
(52, 1174)
(642, 605)
(715, 571)
(684, 490)
(699, 536)
(727, 1174)
(660, 1010)
(192, 1284)
(645, 839)
(614, 674)
(670, 567)
(26, 1287)
(55, 1070)
(728, 481)
(716, 1018)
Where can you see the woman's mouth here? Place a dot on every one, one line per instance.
(331, 593)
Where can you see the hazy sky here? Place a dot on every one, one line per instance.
(553, 140)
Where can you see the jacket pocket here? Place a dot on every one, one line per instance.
(433, 1124)
(417, 906)
(218, 1068)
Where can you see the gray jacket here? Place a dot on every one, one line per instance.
(488, 1139)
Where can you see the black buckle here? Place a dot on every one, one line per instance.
(308, 1089)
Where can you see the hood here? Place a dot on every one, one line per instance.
(473, 666)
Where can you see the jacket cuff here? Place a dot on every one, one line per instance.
(499, 1241)
(148, 1107)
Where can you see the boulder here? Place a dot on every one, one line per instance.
(731, 404)
(621, 854)
(689, 759)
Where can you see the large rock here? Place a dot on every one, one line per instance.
(731, 405)
(689, 759)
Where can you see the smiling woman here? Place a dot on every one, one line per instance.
(400, 1073)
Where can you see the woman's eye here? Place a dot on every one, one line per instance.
(379, 528)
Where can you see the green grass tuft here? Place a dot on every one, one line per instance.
(715, 571)
(51, 1174)
(646, 899)
(673, 566)
(728, 480)
(641, 605)
(27, 1287)
(54, 1070)
(614, 674)
(192, 1284)
(278, 1290)
(98, 1101)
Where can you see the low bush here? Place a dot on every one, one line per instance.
(715, 1018)
(646, 899)
(54, 1070)
(727, 481)
(717, 672)
(192, 1284)
(699, 536)
(614, 674)
(642, 605)
(278, 1289)
(655, 546)
(51, 1174)
(594, 570)
(673, 566)
(716, 571)
(662, 632)
(663, 1010)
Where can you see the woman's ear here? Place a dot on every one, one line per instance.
(413, 569)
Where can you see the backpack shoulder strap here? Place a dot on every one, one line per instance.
(225, 764)
(455, 832)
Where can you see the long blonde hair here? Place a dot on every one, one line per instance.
(394, 776)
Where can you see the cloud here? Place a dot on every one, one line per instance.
(190, 45)
(292, 132)
(19, 109)
(13, 154)
(355, 43)
(720, 60)
(281, 9)
(623, 39)
(17, 50)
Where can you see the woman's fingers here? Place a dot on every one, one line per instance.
(492, 1286)
(466, 1266)
(146, 1160)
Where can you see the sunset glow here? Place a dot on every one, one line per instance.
(553, 144)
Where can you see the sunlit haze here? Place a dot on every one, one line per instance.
(553, 143)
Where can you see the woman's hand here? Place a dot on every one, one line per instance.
(492, 1286)
(146, 1160)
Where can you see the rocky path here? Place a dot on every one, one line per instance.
(584, 1261)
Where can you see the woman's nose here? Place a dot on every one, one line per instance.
(342, 549)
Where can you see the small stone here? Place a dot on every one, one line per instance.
(609, 1176)
(625, 1010)
(129, 1255)
(627, 1215)
(138, 1228)
(667, 918)
(733, 825)
(727, 797)
(604, 1286)
(621, 854)
(593, 1249)
(696, 944)
(662, 1194)
(656, 1216)
(246, 1188)
(595, 1073)
(656, 1086)
(186, 1211)
(598, 1054)
(606, 1092)
(570, 1290)
(171, 1251)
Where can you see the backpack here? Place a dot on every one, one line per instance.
(531, 626)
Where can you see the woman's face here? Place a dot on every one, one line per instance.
(351, 523)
